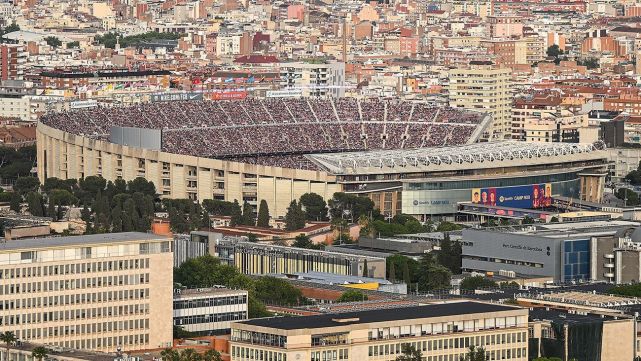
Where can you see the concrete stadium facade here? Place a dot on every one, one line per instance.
(67, 156)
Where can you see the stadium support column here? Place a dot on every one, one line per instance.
(592, 184)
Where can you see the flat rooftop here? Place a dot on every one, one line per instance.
(566, 229)
(204, 292)
(85, 240)
(373, 316)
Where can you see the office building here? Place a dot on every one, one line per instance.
(564, 251)
(209, 311)
(483, 87)
(260, 259)
(443, 332)
(98, 292)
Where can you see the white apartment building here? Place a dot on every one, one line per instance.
(314, 79)
(483, 87)
(98, 292)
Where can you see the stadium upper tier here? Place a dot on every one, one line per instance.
(279, 131)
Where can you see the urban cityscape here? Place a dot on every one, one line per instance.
(320, 180)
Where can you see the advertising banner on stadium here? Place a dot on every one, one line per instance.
(530, 196)
(227, 95)
(167, 97)
(288, 93)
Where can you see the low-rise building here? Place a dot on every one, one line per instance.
(209, 311)
(440, 331)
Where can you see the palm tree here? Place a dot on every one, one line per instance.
(8, 338)
(39, 353)
(190, 354)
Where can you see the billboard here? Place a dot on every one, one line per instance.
(227, 95)
(167, 97)
(530, 196)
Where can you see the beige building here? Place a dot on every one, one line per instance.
(66, 155)
(483, 87)
(441, 331)
(98, 292)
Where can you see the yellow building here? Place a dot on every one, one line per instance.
(443, 332)
(98, 292)
(483, 87)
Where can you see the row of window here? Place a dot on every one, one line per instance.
(330, 355)
(108, 343)
(210, 302)
(446, 327)
(74, 268)
(259, 338)
(78, 314)
(209, 318)
(245, 354)
(510, 354)
(73, 299)
(72, 284)
(91, 328)
(451, 343)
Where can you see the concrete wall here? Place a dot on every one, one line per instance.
(66, 155)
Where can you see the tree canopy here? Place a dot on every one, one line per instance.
(352, 296)
(314, 206)
(295, 216)
(477, 282)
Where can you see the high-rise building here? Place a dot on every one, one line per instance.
(99, 292)
(314, 79)
(485, 88)
(12, 60)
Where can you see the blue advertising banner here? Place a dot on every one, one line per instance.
(530, 196)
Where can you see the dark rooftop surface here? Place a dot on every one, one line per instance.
(404, 313)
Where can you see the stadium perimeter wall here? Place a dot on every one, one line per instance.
(68, 156)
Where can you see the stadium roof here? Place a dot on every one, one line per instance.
(480, 155)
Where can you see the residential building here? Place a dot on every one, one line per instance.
(486, 88)
(99, 292)
(209, 311)
(325, 79)
(441, 332)
(12, 61)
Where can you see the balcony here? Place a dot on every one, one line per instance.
(608, 255)
(608, 265)
(608, 275)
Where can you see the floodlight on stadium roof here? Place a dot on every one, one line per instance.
(482, 155)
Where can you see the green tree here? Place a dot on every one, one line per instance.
(554, 51)
(450, 254)
(35, 204)
(170, 355)
(141, 185)
(277, 291)
(631, 196)
(295, 217)
(314, 206)
(53, 41)
(349, 206)
(448, 227)
(527, 220)
(475, 354)
(25, 185)
(365, 268)
(251, 237)
(303, 241)
(263, 214)
(409, 353)
(432, 275)
(352, 296)
(477, 282)
(8, 338)
(248, 214)
(15, 203)
(39, 353)
(73, 45)
(391, 272)
(236, 215)
(218, 208)
(590, 63)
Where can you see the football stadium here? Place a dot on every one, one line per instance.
(408, 157)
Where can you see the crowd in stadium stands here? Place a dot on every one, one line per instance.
(265, 127)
